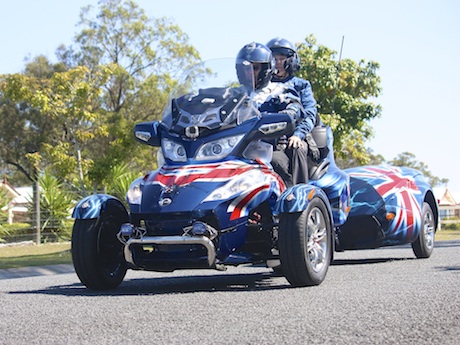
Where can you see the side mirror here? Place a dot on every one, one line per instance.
(148, 133)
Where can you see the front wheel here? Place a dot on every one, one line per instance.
(97, 254)
(305, 244)
(424, 244)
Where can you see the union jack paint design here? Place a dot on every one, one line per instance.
(269, 183)
(399, 190)
(186, 174)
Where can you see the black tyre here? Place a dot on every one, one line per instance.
(97, 254)
(305, 244)
(424, 244)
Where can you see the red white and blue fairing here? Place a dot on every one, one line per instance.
(386, 206)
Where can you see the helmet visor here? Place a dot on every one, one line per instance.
(246, 71)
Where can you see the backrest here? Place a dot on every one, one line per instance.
(324, 140)
(320, 135)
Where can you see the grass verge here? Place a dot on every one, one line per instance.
(447, 235)
(33, 255)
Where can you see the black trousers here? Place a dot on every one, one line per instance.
(291, 164)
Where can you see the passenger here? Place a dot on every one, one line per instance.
(287, 64)
(276, 97)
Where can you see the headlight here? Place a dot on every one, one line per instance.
(173, 151)
(134, 194)
(238, 185)
(218, 149)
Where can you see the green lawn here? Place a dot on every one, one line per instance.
(33, 255)
(59, 253)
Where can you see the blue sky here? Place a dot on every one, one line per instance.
(417, 44)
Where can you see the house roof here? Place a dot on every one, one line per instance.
(444, 197)
(11, 191)
(25, 195)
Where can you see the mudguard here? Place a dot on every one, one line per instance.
(92, 206)
(296, 199)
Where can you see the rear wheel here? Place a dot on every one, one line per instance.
(97, 254)
(424, 244)
(305, 244)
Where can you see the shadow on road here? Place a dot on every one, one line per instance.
(181, 284)
(190, 284)
(446, 244)
(342, 262)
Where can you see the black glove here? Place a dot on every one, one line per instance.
(312, 147)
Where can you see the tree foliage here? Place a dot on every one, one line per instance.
(407, 159)
(65, 100)
(119, 180)
(146, 54)
(56, 201)
(83, 117)
(345, 94)
(4, 201)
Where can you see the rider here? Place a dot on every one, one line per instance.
(287, 64)
(275, 97)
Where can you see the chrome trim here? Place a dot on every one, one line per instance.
(204, 241)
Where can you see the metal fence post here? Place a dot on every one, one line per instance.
(37, 211)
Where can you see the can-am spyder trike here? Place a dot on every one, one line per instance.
(215, 200)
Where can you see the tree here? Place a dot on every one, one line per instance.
(350, 161)
(78, 125)
(146, 54)
(407, 159)
(344, 93)
(146, 51)
(22, 130)
(66, 100)
(41, 67)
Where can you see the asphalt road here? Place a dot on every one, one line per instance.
(383, 296)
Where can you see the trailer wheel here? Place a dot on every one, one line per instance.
(424, 244)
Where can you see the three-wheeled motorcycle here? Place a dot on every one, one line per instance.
(215, 200)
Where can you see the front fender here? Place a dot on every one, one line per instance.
(92, 206)
(296, 198)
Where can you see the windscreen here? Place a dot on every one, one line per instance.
(212, 94)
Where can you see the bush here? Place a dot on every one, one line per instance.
(450, 226)
(17, 232)
(61, 232)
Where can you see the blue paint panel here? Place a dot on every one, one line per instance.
(90, 207)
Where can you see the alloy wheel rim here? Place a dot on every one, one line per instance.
(428, 230)
(317, 239)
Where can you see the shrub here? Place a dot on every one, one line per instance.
(450, 226)
(17, 232)
(56, 203)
